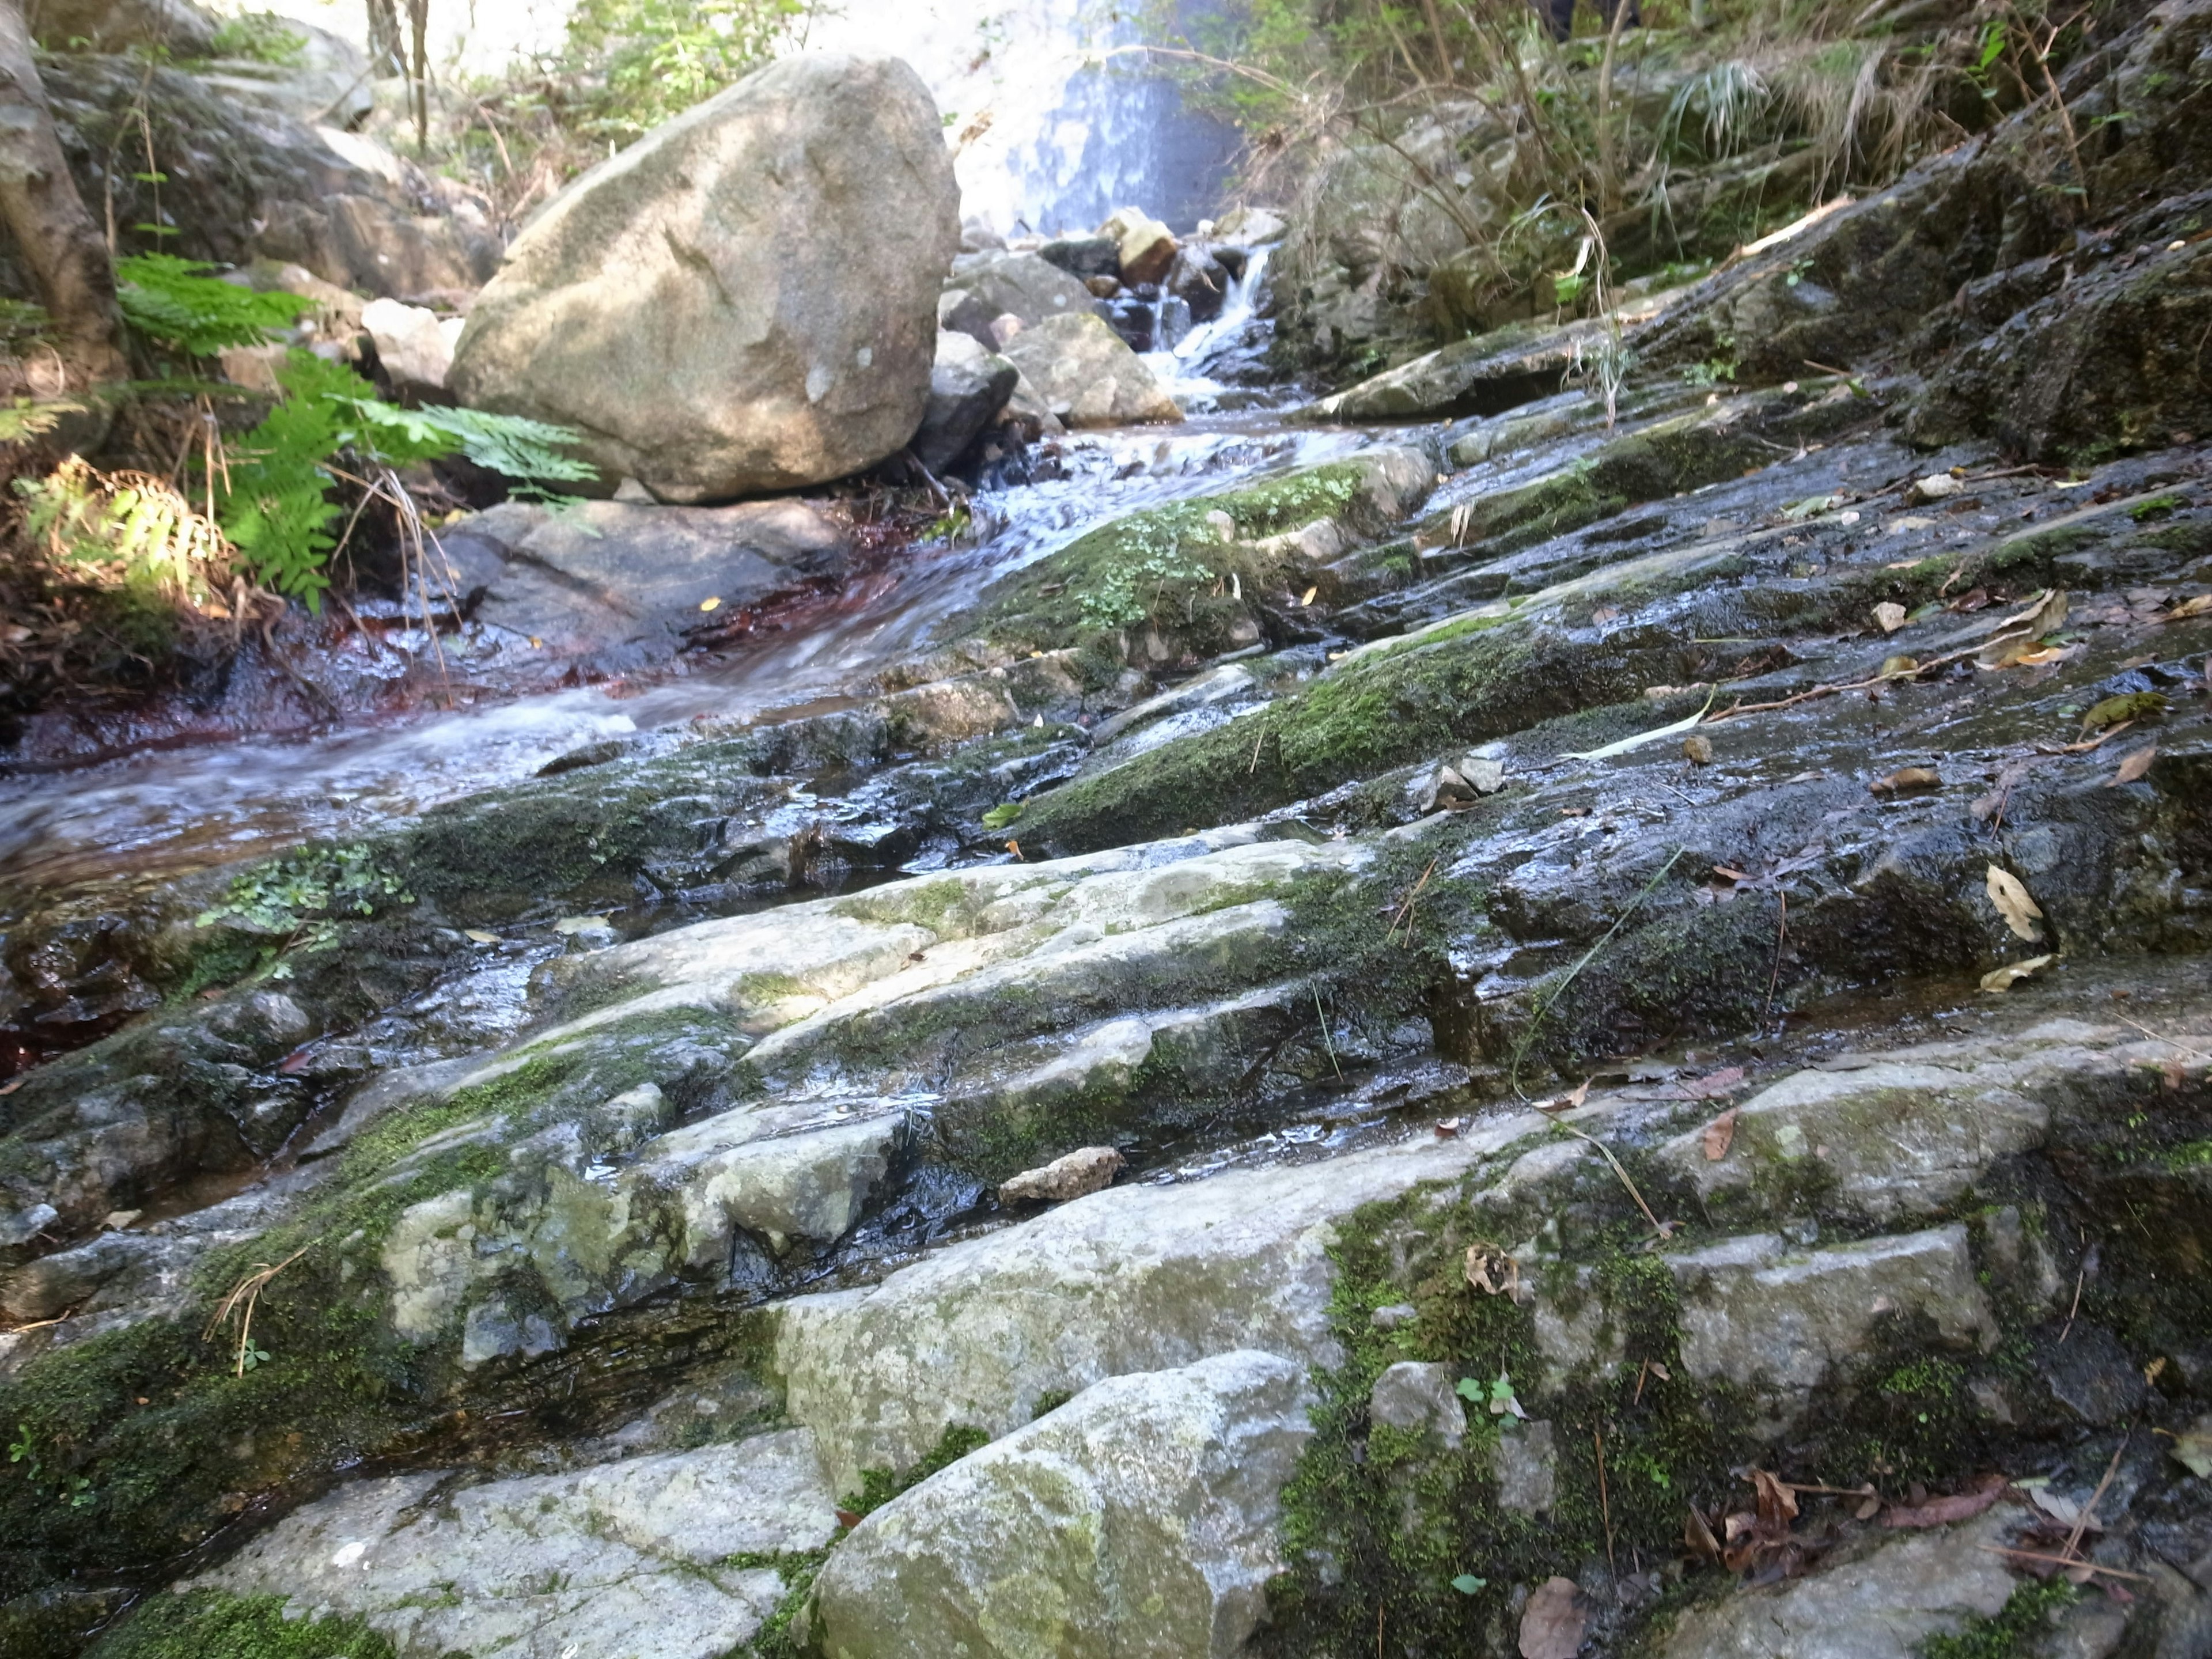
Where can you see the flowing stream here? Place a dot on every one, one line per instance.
(184, 808)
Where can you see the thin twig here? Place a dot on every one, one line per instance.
(2061, 1561)
(2090, 1509)
(2076, 1308)
(1781, 931)
(1657, 1226)
(1327, 1042)
(1405, 911)
(1604, 1500)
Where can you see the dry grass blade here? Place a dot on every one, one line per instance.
(241, 1299)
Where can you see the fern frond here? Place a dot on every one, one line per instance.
(167, 299)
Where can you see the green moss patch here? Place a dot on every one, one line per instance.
(213, 1624)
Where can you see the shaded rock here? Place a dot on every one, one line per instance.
(1147, 247)
(1091, 1170)
(542, 1565)
(2091, 1374)
(245, 182)
(1878, 1602)
(1084, 255)
(1419, 1397)
(1526, 1463)
(1487, 375)
(2103, 366)
(115, 26)
(324, 78)
(623, 584)
(1141, 1516)
(1200, 281)
(744, 299)
(414, 346)
(968, 388)
(1088, 376)
(1022, 285)
(1754, 1312)
(960, 312)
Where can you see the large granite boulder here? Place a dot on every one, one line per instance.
(1087, 375)
(745, 299)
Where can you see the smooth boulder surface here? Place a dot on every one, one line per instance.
(664, 1556)
(745, 298)
(1022, 285)
(1088, 376)
(623, 583)
(1139, 1518)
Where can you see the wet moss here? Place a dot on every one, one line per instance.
(2010, 1632)
(878, 1486)
(157, 1418)
(215, 1625)
(1371, 713)
(1379, 1525)
(1169, 567)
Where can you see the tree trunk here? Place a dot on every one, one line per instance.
(67, 257)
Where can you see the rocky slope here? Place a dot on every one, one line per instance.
(1648, 983)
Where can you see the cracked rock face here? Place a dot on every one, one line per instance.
(649, 1557)
(1139, 1517)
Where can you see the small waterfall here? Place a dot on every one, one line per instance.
(1232, 343)
(1057, 123)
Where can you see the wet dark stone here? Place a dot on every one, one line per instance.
(2090, 1374)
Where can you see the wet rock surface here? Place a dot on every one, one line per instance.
(1639, 989)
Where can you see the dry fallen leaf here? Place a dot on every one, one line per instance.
(481, 936)
(1551, 1626)
(1309, 597)
(2199, 606)
(714, 603)
(2004, 978)
(1448, 1127)
(1912, 777)
(1492, 1272)
(569, 925)
(1939, 1511)
(1714, 1085)
(2194, 1448)
(1889, 616)
(1718, 1135)
(2133, 765)
(2022, 914)
(1899, 668)
(2046, 612)
(11, 1086)
(1698, 1536)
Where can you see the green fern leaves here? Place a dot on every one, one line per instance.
(167, 299)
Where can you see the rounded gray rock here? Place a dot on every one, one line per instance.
(745, 299)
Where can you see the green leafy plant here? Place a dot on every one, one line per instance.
(1125, 596)
(656, 59)
(260, 36)
(272, 495)
(169, 300)
(279, 896)
(130, 525)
